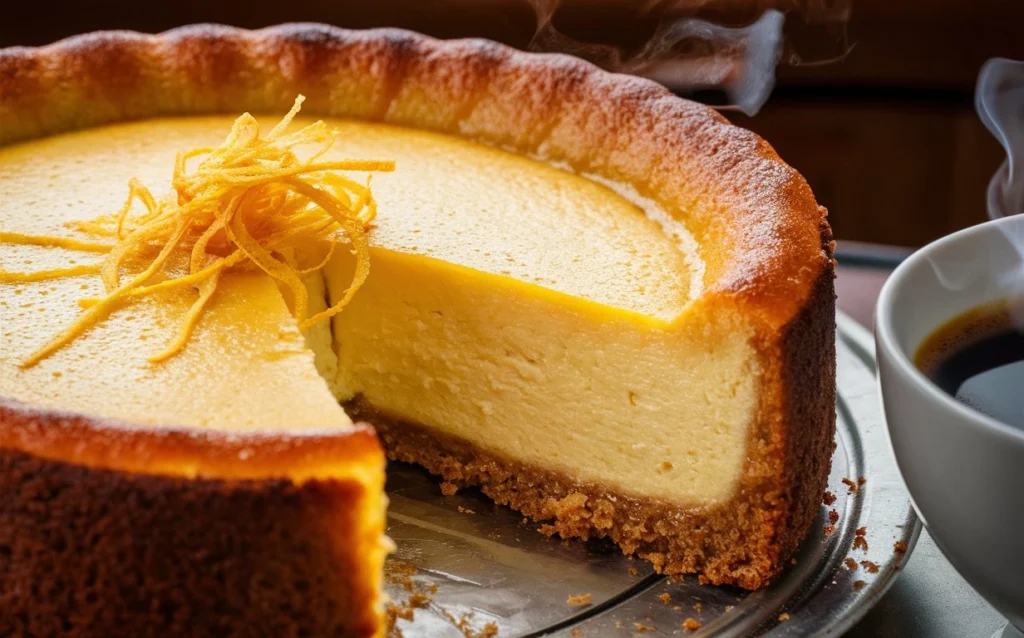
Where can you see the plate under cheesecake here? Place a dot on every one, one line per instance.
(604, 305)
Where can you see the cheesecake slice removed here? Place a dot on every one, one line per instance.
(615, 317)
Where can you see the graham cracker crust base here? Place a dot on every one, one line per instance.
(721, 543)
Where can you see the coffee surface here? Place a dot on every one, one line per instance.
(978, 358)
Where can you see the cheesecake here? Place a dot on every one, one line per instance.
(605, 306)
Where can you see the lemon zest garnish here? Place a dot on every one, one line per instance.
(45, 275)
(98, 312)
(206, 290)
(193, 279)
(49, 241)
(250, 203)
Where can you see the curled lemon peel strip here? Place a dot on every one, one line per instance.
(69, 243)
(46, 275)
(250, 204)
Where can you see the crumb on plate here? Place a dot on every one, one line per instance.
(581, 599)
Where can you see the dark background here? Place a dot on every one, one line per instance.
(886, 136)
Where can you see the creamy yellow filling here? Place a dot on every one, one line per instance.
(537, 376)
(528, 310)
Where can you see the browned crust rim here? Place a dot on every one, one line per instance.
(754, 217)
(128, 448)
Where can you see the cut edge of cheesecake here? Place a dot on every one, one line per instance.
(764, 241)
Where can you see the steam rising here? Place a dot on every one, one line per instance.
(695, 54)
(691, 54)
(999, 100)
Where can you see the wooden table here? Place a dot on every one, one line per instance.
(930, 598)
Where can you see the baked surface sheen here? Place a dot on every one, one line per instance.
(762, 275)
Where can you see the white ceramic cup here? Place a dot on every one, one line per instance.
(964, 469)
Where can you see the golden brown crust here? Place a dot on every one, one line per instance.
(108, 529)
(808, 416)
(91, 442)
(96, 552)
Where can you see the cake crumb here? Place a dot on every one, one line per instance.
(666, 598)
(397, 611)
(861, 480)
(465, 510)
(640, 627)
(851, 485)
(698, 607)
(728, 608)
(861, 531)
(576, 632)
(829, 529)
(618, 624)
(859, 585)
(829, 498)
(418, 600)
(872, 568)
(399, 572)
(405, 610)
(677, 608)
(462, 624)
(859, 542)
(449, 489)
(783, 617)
(850, 563)
(581, 599)
(633, 571)
(632, 397)
(792, 561)
(833, 516)
(691, 624)
(900, 547)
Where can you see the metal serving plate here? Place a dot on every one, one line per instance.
(479, 564)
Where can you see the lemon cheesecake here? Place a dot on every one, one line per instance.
(605, 306)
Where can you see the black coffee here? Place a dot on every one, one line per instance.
(978, 358)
